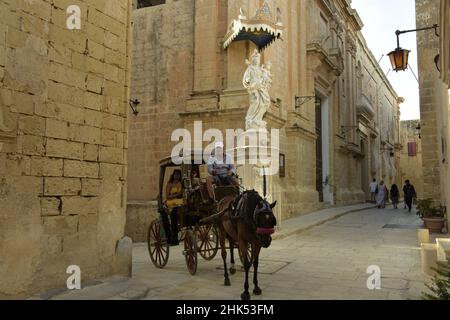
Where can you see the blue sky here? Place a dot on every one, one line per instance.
(381, 18)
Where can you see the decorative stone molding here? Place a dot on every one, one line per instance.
(317, 56)
(365, 107)
(296, 129)
(351, 44)
(6, 134)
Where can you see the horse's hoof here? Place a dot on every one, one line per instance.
(232, 270)
(245, 296)
(227, 282)
(257, 291)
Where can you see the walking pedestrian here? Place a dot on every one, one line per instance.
(409, 193)
(373, 190)
(382, 195)
(395, 194)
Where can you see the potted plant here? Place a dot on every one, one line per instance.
(440, 288)
(434, 217)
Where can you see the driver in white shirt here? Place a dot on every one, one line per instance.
(221, 169)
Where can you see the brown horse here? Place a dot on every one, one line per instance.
(246, 220)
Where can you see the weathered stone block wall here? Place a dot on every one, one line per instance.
(433, 113)
(162, 80)
(63, 140)
(208, 87)
(139, 216)
(411, 167)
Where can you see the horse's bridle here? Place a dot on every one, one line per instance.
(263, 208)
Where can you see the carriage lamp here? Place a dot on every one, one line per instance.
(399, 57)
(134, 105)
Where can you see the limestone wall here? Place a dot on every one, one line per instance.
(139, 216)
(411, 166)
(322, 53)
(433, 104)
(63, 141)
(162, 81)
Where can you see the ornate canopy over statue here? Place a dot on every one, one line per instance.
(260, 29)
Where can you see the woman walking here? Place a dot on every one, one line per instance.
(382, 195)
(395, 194)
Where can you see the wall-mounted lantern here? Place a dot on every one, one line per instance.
(399, 57)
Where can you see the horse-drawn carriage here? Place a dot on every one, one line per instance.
(242, 217)
(198, 238)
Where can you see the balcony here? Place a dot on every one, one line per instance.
(333, 57)
(364, 108)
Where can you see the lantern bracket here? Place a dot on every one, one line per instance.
(399, 57)
(300, 101)
(134, 106)
(398, 32)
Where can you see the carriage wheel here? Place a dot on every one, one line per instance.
(181, 234)
(190, 251)
(158, 246)
(249, 254)
(207, 241)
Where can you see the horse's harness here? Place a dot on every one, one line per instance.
(236, 212)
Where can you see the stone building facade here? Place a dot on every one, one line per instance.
(63, 139)
(345, 134)
(434, 75)
(411, 155)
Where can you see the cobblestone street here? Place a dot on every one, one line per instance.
(326, 262)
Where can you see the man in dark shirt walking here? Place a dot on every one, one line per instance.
(410, 193)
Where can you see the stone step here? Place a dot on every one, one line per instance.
(443, 249)
(116, 288)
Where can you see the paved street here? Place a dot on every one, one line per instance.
(328, 261)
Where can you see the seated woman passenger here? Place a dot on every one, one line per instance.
(174, 199)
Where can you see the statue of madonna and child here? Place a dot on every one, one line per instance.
(257, 80)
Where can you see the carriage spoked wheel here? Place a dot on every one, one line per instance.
(249, 254)
(207, 241)
(190, 251)
(181, 234)
(158, 246)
